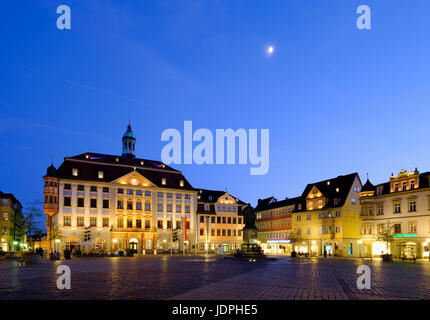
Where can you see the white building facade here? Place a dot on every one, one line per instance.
(108, 203)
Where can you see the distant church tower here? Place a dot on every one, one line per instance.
(128, 143)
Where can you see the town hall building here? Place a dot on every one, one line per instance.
(113, 203)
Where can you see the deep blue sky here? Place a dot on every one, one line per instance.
(336, 99)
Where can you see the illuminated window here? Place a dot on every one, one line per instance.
(181, 183)
(163, 181)
(80, 221)
(120, 222)
(75, 172)
(67, 221)
(100, 174)
(93, 222)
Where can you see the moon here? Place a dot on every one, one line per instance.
(270, 50)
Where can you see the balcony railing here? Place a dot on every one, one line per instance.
(116, 229)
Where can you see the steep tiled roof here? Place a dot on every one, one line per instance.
(272, 203)
(424, 182)
(336, 188)
(368, 186)
(211, 196)
(114, 167)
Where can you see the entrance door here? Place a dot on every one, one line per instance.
(329, 249)
(133, 247)
(409, 250)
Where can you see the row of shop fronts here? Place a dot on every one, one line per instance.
(218, 247)
(402, 247)
(137, 242)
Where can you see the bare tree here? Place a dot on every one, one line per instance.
(32, 215)
(386, 233)
(295, 238)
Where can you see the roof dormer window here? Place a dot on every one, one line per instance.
(75, 172)
(100, 174)
(337, 189)
(163, 181)
(181, 183)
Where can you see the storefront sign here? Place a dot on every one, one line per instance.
(411, 235)
(278, 241)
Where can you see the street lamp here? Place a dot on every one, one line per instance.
(56, 241)
(360, 242)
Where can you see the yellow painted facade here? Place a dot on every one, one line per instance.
(333, 229)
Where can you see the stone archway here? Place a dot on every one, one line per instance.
(133, 244)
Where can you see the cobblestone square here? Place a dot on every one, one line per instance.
(214, 277)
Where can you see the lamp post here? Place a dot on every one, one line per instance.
(359, 246)
(57, 241)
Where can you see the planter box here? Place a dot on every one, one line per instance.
(387, 257)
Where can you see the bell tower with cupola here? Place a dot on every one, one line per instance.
(51, 199)
(128, 143)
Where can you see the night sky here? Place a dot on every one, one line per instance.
(336, 99)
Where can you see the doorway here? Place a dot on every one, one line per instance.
(133, 245)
